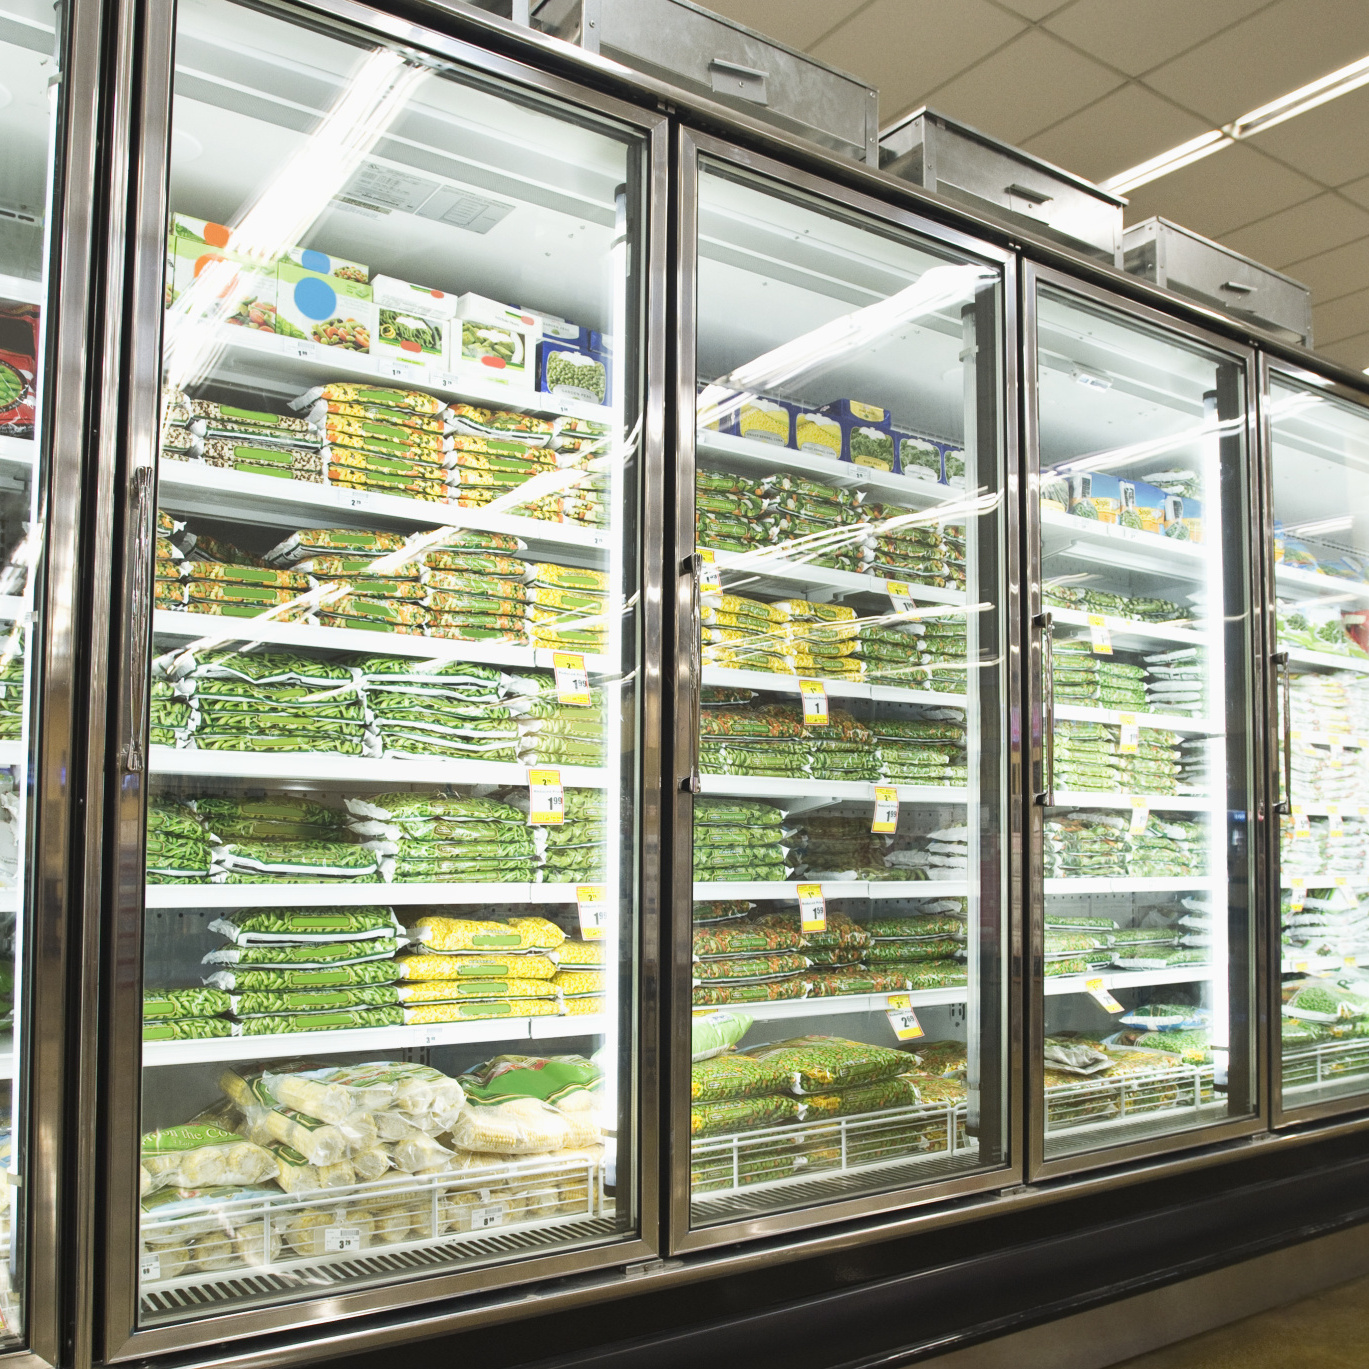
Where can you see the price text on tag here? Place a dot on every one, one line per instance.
(1140, 815)
(546, 798)
(1302, 827)
(151, 1267)
(900, 595)
(1100, 639)
(1101, 995)
(710, 576)
(592, 906)
(812, 908)
(1295, 898)
(1131, 734)
(492, 1214)
(572, 679)
(886, 810)
(1335, 824)
(902, 1018)
(814, 695)
(339, 1238)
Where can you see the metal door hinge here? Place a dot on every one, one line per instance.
(644, 1268)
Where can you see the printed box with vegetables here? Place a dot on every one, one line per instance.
(494, 343)
(326, 300)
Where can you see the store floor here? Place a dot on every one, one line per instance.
(1330, 1330)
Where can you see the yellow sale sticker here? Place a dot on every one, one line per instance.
(1335, 824)
(900, 595)
(1140, 815)
(592, 906)
(572, 679)
(812, 908)
(1302, 827)
(1100, 639)
(1131, 734)
(710, 576)
(814, 695)
(1101, 995)
(886, 810)
(902, 1018)
(546, 798)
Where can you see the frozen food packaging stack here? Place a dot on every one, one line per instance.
(739, 839)
(914, 546)
(452, 709)
(566, 607)
(755, 740)
(549, 731)
(282, 839)
(1090, 756)
(921, 750)
(1097, 681)
(740, 633)
(727, 511)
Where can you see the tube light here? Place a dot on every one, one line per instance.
(1320, 525)
(1299, 101)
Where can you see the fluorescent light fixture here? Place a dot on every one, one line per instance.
(1318, 92)
(1320, 525)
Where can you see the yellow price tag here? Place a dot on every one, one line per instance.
(546, 798)
(1101, 995)
(886, 810)
(1300, 967)
(1335, 824)
(1100, 639)
(1140, 815)
(1131, 734)
(812, 908)
(902, 1018)
(1302, 826)
(572, 679)
(710, 576)
(592, 906)
(900, 595)
(814, 695)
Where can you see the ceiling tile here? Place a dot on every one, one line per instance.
(795, 22)
(1316, 225)
(1352, 351)
(1143, 33)
(1357, 191)
(1033, 82)
(1118, 131)
(1327, 142)
(1269, 54)
(908, 47)
(1342, 318)
(1329, 275)
(1223, 192)
(1035, 9)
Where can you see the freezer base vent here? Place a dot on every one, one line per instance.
(242, 1288)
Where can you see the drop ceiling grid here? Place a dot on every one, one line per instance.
(1097, 86)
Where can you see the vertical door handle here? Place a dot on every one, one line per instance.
(1045, 622)
(1280, 660)
(694, 568)
(141, 486)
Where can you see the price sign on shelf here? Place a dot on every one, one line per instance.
(1101, 996)
(592, 906)
(1140, 815)
(1100, 639)
(1336, 758)
(1297, 894)
(1340, 882)
(814, 696)
(900, 595)
(710, 576)
(886, 810)
(546, 798)
(1301, 826)
(1335, 823)
(151, 1267)
(486, 1216)
(572, 679)
(1131, 734)
(1351, 962)
(341, 1239)
(902, 1018)
(812, 908)
(1301, 967)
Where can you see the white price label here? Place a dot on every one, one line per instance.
(546, 798)
(886, 810)
(1335, 824)
(902, 1018)
(305, 351)
(812, 908)
(1302, 827)
(1363, 810)
(1340, 882)
(432, 1036)
(1351, 962)
(491, 1214)
(572, 679)
(592, 906)
(150, 1267)
(1140, 815)
(814, 696)
(1101, 996)
(1131, 734)
(1100, 639)
(398, 370)
(338, 1239)
(1296, 896)
(710, 576)
(900, 595)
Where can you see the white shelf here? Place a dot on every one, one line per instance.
(1328, 660)
(21, 289)
(17, 455)
(759, 569)
(1067, 888)
(1083, 798)
(1164, 722)
(324, 767)
(752, 456)
(1126, 979)
(215, 897)
(15, 608)
(1126, 632)
(1291, 582)
(1317, 964)
(721, 890)
(220, 1048)
(1350, 740)
(6, 1055)
(847, 1003)
(169, 625)
(1346, 810)
(256, 357)
(836, 689)
(1324, 881)
(828, 791)
(190, 487)
(11, 753)
(1122, 549)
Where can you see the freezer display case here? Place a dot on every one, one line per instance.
(846, 950)
(389, 926)
(1142, 909)
(1318, 487)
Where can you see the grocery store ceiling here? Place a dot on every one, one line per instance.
(1100, 85)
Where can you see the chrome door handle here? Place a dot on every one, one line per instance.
(1280, 660)
(142, 485)
(1045, 796)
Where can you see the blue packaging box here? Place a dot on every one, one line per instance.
(919, 458)
(571, 372)
(857, 411)
(816, 432)
(866, 444)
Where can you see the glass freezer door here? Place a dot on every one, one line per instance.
(388, 941)
(1319, 458)
(849, 866)
(1143, 909)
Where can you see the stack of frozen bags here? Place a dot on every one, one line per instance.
(380, 439)
(1088, 757)
(574, 850)
(752, 741)
(436, 838)
(908, 547)
(170, 715)
(814, 523)
(835, 955)
(839, 846)
(179, 849)
(934, 650)
(11, 684)
(455, 710)
(550, 732)
(249, 441)
(921, 950)
(168, 584)
(943, 854)
(1326, 922)
(1096, 681)
(922, 750)
(745, 962)
(1141, 609)
(739, 840)
(282, 839)
(743, 634)
(566, 607)
(475, 586)
(840, 749)
(214, 576)
(819, 639)
(1092, 845)
(1176, 682)
(1317, 855)
(727, 512)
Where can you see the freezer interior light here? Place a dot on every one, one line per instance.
(1319, 525)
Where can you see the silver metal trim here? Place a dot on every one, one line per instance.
(1045, 624)
(1256, 1120)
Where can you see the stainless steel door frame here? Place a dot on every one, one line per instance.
(1269, 366)
(1040, 1168)
(134, 449)
(680, 1237)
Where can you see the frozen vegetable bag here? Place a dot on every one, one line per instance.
(388, 698)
